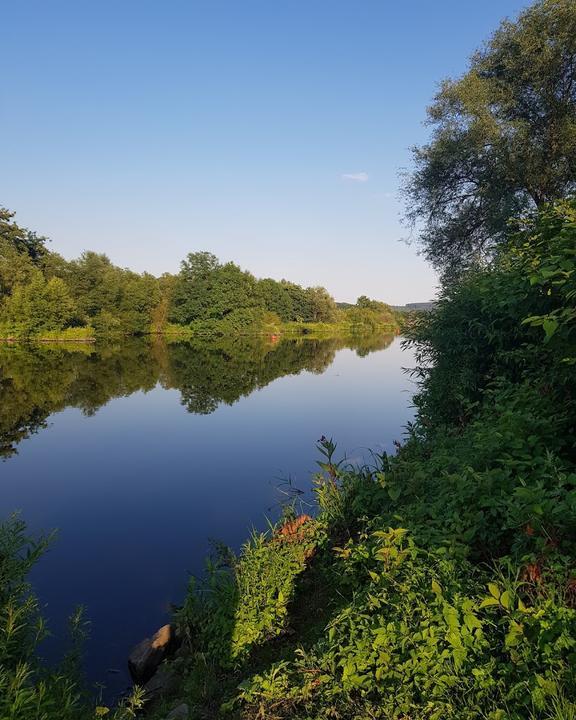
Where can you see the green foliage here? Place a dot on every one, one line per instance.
(206, 290)
(41, 306)
(546, 254)
(222, 299)
(237, 322)
(368, 316)
(504, 138)
(44, 296)
(24, 242)
(439, 584)
(16, 268)
(436, 584)
(140, 296)
(112, 300)
(83, 334)
(48, 297)
(244, 601)
(276, 297)
(488, 325)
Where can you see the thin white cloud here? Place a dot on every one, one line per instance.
(355, 177)
(384, 196)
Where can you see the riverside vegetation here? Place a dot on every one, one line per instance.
(44, 297)
(439, 583)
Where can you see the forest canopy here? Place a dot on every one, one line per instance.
(42, 295)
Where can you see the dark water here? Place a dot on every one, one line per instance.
(141, 453)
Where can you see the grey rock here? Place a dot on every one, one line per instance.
(147, 655)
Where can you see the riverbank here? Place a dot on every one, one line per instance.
(215, 330)
(427, 584)
(68, 335)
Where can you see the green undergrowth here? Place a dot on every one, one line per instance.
(67, 335)
(397, 614)
(340, 329)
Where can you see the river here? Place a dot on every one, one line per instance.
(142, 452)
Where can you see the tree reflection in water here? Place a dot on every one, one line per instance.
(38, 380)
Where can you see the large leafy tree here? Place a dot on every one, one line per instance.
(15, 268)
(321, 305)
(95, 283)
(39, 306)
(23, 241)
(208, 290)
(503, 139)
(139, 298)
(275, 298)
(20, 253)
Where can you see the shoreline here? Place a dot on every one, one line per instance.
(306, 330)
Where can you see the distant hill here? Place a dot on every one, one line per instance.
(411, 307)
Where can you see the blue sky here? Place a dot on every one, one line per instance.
(270, 132)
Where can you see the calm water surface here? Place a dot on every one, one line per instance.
(141, 453)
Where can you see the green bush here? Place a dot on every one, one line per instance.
(72, 334)
(512, 320)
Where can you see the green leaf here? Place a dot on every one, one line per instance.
(436, 589)
(514, 635)
(550, 325)
(471, 621)
(488, 601)
(494, 590)
(522, 607)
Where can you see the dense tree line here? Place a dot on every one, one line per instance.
(207, 291)
(44, 295)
